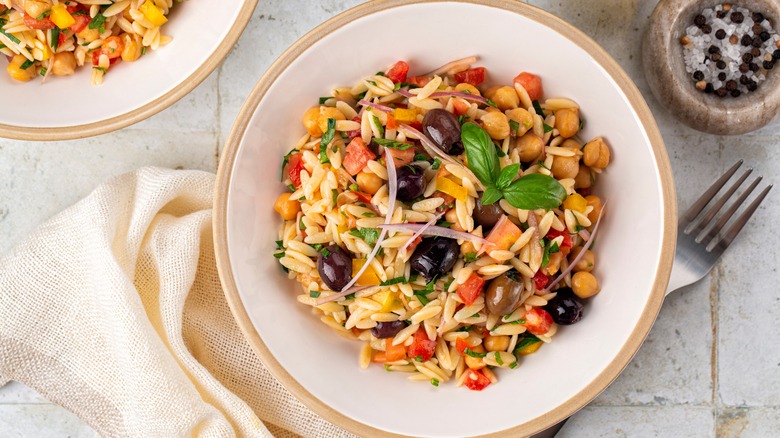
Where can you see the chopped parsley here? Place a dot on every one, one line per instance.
(369, 235)
(392, 143)
(393, 281)
(291, 187)
(387, 368)
(327, 137)
(448, 283)
(368, 214)
(526, 340)
(500, 152)
(43, 71)
(324, 99)
(354, 187)
(420, 157)
(380, 128)
(55, 38)
(27, 64)
(513, 365)
(314, 294)
(301, 225)
(43, 15)
(491, 103)
(9, 36)
(334, 195)
(470, 257)
(514, 127)
(418, 358)
(538, 108)
(372, 83)
(98, 22)
(100, 69)
(499, 361)
(465, 328)
(435, 382)
(547, 128)
(436, 164)
(471, 353)
(444, 224)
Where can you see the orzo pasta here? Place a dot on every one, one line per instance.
(45, 37)
(448, 227)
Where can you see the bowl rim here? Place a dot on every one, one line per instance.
(149, 109)
(669, 216)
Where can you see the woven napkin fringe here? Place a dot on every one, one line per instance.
(114, 310)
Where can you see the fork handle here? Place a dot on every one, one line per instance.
(683, 273)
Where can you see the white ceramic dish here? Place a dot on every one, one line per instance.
(636, 244)
(203, 33)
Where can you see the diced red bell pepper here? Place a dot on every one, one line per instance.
(540, 280)
(357, 156)
(82, 20)
(567, 240)
(470, 290)
(391, 123)
(531, 83)
(538, 321)
(475, 380)
(416, 125)
(460, 106)
(461, 345)
(398, 72)
(364, 197)
(61, 39)
(401, 158)
(422, 347)
(33, 23)
(473, 76)
(420, 81)
(294, 168)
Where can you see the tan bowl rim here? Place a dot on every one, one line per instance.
(649, 313)
(134, 116)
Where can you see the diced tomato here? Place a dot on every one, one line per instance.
(401, 158)
(461, 345)
(416, 125)
(364, 197)
(398, 72)
(294, 168)
(420, 81)
(460, 106)
(531, 83)
(391, 124)
(356, 132)
(422, 347)
(473, 76)
(33, 23)
(96, 56)
(412, 246)
(448, 201)
(394, 352)
(357, 156)
(540, 280)
(113, 47)
(503, 235)
(538, 321)
(470, 290)
(61, 39)
(475, 380)
(82, 20)
(567, 240)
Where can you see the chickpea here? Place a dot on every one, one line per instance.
(456, 226)
(586, 263)
(496, 124)
(565, 167)
(90, 35)
(475, 363)
(554, 264)
(15, 69)
(326, 113)
(467, 248)
(451, 216)
(369, 182)
(63, 64)
(571, 143)
(286, 207)
(506, 98)
(490, 92)
(529, 146)
(567, 122)
(310, 121)
(594, 201)
(584, 284)
(596, 153)
(35, 8)
(584, 178)
(132, 47)
(523, 118)
(496, 343)
(467, 88)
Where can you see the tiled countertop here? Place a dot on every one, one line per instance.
(711, 365)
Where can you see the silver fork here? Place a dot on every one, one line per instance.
(701, 240)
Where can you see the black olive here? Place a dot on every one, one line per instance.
(387, 329)
(443, 129)
(503, 294)
(335, 267)
(565, 308)
(487, 215)
(434, 256)
(411, 182)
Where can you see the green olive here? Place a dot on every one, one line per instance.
(503, 294)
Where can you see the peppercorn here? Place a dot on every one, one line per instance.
(731, 85)
(698, 75)
(722, 76)
(752, 85)
(776, 54)
(768, 65)
(699, 20)
(721, 92)
(758, 17)
(701, 85)
(764, 35)
(753, 67)
(757, 41)
(744, 80)
(720, 14)
(706, 29)
(744, 68)
(737, 17)
(757, 28)
(716, 57)
(746, 40)
(726, 7)
(721, 64)
(735, 93)
(733, 40)
(755, 52)
(720, 34)
(708, 88)
(747, 57)
(713, 49)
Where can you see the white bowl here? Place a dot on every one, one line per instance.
(64, 108)
(636, 244)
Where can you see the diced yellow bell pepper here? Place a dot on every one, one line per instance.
(368, 278)
(405, 115)
(388, 299)
(153, 13)
(457, 191)
(575, 202)
(17, 72)
(530, 349)
(61, 17)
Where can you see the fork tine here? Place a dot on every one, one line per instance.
(715, 208)
(730, 212)
(736, 227)
(705, 198)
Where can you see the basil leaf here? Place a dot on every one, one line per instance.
(491, 195)
(326, 139)
(507, 175)
(481, 153)
(393, 144)
(535, 191)
(324, 99)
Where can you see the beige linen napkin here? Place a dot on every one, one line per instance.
(114, 310)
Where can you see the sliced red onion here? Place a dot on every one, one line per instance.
(433, 150)
(392, 182)
(405, 93)
(580, 255)
(450, 65)
(585, 234)
(341, 294)
(435, 230)
(467, 96)
(378, 106)
(420, 231)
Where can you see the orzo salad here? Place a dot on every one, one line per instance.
(55, 37)
(445, 224)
